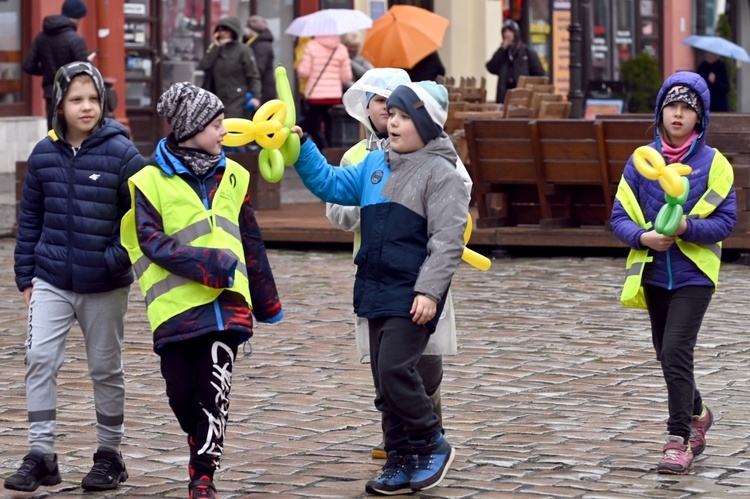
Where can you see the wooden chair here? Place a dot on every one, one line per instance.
(482, 107)
(523, 81)
(538, 98)
(452, 123)
(546, 89)
(554, 110)
(469, 90)
(448, 81)
(517, 112)
(517, 97)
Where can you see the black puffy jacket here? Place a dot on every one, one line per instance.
(57, 45)
(71, 206)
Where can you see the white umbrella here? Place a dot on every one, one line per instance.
(329, 22)
(718, 46)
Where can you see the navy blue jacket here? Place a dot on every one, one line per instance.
(413, 209)
(71, 206)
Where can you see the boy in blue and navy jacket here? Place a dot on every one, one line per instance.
(413, 209)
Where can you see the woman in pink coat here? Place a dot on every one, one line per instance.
(326, 66)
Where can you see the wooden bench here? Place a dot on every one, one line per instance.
(564, 173)
(512, 173)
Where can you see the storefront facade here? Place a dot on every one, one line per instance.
(146, 45)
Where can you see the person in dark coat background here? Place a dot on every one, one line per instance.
(230, 70)
(513, 59)
(260, 42)
(428, 68)
(714, 71)
(57, 45)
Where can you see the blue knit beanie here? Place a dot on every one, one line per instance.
(74, 9)
(427, 104)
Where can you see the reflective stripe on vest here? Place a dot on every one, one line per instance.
(706, 258)
(720, 181)
(186, 219)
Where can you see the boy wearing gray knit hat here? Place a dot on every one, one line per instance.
(413, 208)
(198, 255)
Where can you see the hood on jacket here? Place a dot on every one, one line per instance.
(62, 81)
(510, 24)
(695, 82)
(232, 24)
(257, 23)
(380, 81)
(329, 41)
(53, 25)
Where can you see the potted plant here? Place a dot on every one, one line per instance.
(643, 79)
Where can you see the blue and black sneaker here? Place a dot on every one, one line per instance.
(433, 466)
(396, 476)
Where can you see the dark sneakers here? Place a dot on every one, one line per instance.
(433, 466)
(395, 478)
(107, 473)
(35, 470)
(202, 489)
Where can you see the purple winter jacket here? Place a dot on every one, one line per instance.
(671, 269)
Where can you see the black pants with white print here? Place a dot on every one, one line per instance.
(198, 375)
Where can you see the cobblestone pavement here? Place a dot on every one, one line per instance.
(555, 392)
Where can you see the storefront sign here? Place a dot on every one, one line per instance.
(561, 46)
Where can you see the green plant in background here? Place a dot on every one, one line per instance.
(724, 30)
(643, 78)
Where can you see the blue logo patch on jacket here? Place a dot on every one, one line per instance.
(377, 176)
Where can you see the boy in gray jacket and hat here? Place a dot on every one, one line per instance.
(413, 208)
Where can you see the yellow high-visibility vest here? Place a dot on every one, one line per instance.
(706, 258)
(187, 220)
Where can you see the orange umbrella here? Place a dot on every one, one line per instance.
(403, 36)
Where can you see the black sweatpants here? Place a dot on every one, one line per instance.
(408, 416)
(676, 317)
(198, 374)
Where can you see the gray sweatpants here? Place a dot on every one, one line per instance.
(52, 313)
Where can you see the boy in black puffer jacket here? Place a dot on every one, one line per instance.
(57, 45)
(70, 266)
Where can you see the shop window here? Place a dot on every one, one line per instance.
(12, 88)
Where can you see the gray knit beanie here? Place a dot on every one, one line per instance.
(188, 109)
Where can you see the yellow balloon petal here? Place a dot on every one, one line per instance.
(648, 162)
(474, 259)
(671, 182)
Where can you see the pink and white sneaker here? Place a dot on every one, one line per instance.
(677, 456)
(699, 427)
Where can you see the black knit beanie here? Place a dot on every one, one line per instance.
(74, 9)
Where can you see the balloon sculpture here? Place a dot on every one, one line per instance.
(271, 129)
(651, 165)
(471, 257)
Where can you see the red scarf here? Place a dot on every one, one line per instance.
(675, 154)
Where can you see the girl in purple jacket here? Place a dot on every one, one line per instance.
(675, 276)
